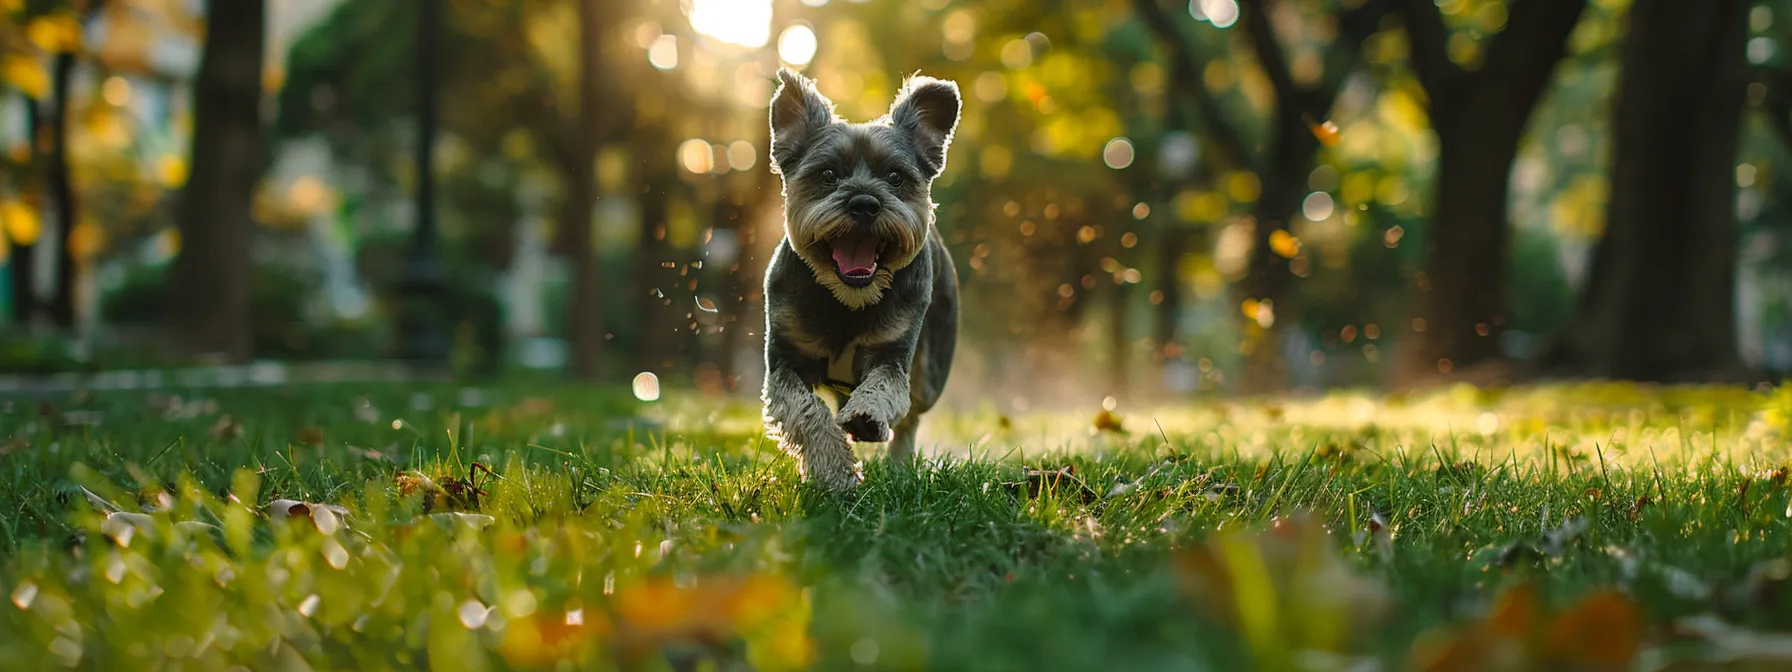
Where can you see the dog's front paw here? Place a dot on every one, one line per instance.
(863, 428)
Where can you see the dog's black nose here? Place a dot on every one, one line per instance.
(864, 207)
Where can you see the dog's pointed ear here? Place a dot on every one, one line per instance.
(798, 111)
(927, 110)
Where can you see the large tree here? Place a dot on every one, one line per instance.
(1287, 152)
(209, 297)
(1479, 116)
(1659, 304)
(584, 315)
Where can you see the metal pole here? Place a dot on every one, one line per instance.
(422, 337)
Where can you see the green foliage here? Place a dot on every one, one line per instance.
(281, 315)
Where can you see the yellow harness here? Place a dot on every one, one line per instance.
(838, 383)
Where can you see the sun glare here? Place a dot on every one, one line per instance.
(747, 23)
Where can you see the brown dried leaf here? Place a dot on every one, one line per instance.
(1106, 421)
(311, 436)
(226, 428)
(1602, 631)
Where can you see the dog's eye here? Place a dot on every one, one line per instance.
(828, 177)
(895, 178)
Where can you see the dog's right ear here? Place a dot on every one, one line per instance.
(798, 111)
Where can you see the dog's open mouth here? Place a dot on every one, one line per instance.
(855, 256)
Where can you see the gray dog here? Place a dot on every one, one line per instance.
(861, 299)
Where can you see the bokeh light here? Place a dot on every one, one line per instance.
(1118, 154)
(1318, 206)
(694, 155)
(797, 45)
(1222, 13)
(646, 386)
(741, 155)
(664, 52)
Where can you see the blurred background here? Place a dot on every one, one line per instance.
(1144, 199)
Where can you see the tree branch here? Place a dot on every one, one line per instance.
(1185, 70)
(1268, 49)
(1429, 37)
(1354, 26)
(1514, 51)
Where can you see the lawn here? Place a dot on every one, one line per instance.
(542, 527)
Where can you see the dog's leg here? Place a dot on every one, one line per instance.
(882, 398)
(803, 426)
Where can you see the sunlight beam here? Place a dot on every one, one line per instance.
(747, 23)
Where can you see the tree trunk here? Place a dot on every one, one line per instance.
(22, 259)
(1659, 304)
(584, 316)
(209, 290)
(1463, 287)
(62, 193)
(1479, 118)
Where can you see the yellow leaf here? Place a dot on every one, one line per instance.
(55, 33)
(172, 169)
(1284, 244)
(21, 222)
(25, 74)
(1325, 131)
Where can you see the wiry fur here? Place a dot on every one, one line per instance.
(901, 327)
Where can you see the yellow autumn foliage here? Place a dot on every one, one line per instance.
(26, 74)
(20, 221)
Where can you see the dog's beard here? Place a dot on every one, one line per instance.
(856, 262)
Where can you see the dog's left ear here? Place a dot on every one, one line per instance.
(927, 110)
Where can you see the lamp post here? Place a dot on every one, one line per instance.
(422, 339)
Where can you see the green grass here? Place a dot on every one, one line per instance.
(1317, 534)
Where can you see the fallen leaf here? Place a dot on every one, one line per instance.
(1042, 480)
(311, 436)
(1107, 421)
(1325, 131)
(1604, 629)
(121, 526)
(449, 492)
(1286, 589)
(328, 518)
(226, 428)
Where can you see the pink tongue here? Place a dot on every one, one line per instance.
(856, 255)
